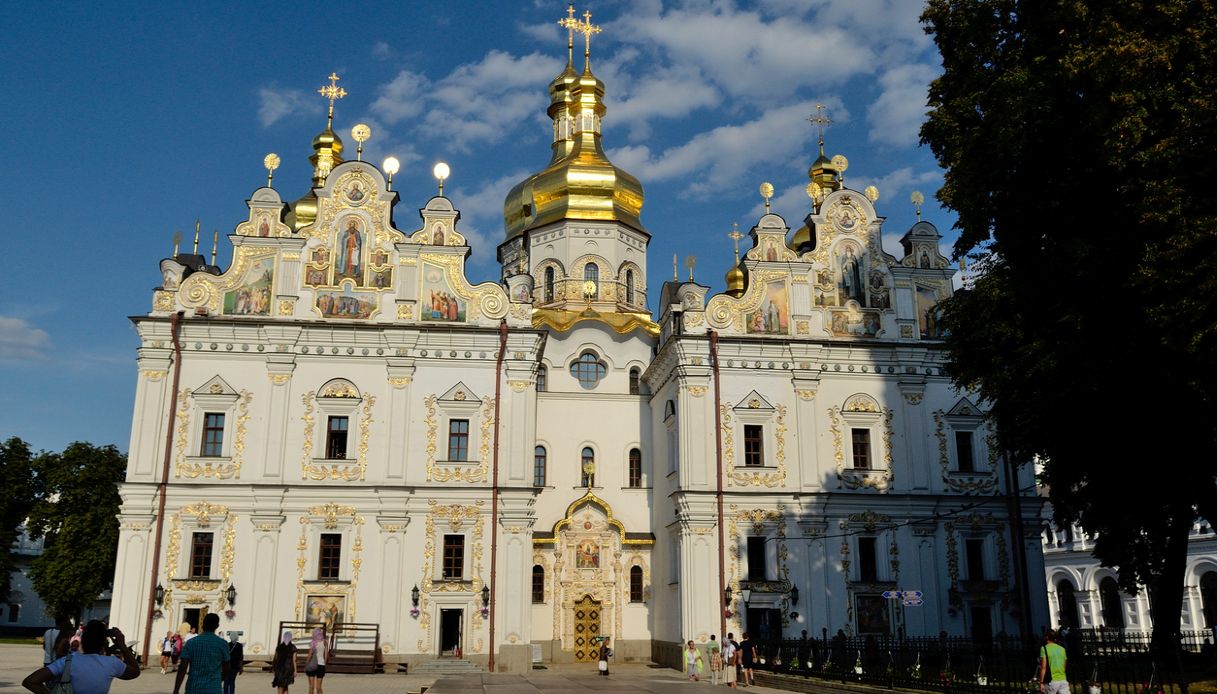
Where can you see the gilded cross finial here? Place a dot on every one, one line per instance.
(918, 200)
(571, 25)
(675, 269)
(332, 92)
(821, 121)
(177, 240)
(690, 262)
(215, 245)
(766, 192)
(586, 28)
(736, 236)
(271, 162)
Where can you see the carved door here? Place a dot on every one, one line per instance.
(587, 629)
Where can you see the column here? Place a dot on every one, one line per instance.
(921, 457)
(279, 368)
(513, 608)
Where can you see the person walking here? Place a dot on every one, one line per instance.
(748, 659)
(166, 652)
(605, 653)
(693, 661)
(205, 658)
(284, 663)
(716, 660)
(236, 662)
(91, 670)
(318, 656)
(54, 639)
(1052, 662)
(730, 660)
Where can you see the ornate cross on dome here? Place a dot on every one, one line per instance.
(332, 92)
(821, 121)
(586, 28)
(571, 25)
(735, 236)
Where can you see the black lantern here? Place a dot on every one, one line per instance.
(160, 594)
(231, 595)
(485, 597)
(414, 596)
(794, 595)
(747, 593)
(726, 596)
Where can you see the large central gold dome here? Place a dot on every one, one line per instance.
(580, 182)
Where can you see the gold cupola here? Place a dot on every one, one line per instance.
(580, 182)
(327, 153)
(735, 276)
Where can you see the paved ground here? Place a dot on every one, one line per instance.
(18, 661)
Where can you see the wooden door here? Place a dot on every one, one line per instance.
(587, 629)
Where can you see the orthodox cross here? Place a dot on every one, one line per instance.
(586, 28)
(690, 262)
(735, 236)
(821, 121)
(332, 92)
(571, 25)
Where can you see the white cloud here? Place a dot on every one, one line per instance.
(665, 93)
(717, 159)
(401, 98)
(382, 50)
(895, 187)
(896, 116)
(275, 103)
(20, 340)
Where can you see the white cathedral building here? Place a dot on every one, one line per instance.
(339, 428)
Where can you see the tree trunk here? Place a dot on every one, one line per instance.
(1167, 607)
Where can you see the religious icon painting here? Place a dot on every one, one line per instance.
(437, 234)
(328, 610)
(321, 255)
(345, 304)
(880, 297)
(847, 218)
(850, 272)
(772, 317)
(315, 276)
(439, 301)
(382, 279)
(263, 227)
(348, 262)
(927, 312)
(380, 258)
(872, 611)
(252, 296)
(355, 193)
(854, 322)
(587, 555)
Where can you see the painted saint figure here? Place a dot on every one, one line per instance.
(350, 248)
(587, 556)
(851, 276)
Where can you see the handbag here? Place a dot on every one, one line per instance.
(603, 666)
(310, 666)
(64, 684)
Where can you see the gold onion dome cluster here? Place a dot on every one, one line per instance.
(825, 174)
(580, 182)
(735, 281)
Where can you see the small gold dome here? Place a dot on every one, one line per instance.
(801, 241)
(735, 281)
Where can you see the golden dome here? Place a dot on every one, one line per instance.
(327, 153)
(580, 182)
(735, 281)
(801, 238)
(824, 172)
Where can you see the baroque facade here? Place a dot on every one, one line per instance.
(341, 428)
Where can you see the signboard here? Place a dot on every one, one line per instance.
(908, 598)
(913, 602)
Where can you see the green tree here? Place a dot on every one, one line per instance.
(20, 486)
(1078, 139)
(78, 516)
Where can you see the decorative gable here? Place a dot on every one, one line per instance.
(754, 401)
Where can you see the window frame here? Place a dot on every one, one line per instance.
(540, 466)
(542, 382)
(629, 286)
(868, 558)
(868, 450)
(970, 467)
(329, 557)
(196, 561)
(635, 381)
(634, 468)
(550, 282)
(754, 458)
(756, 555)
(453, 557)
(587, 454)
(458, 440)
(637, 584)
(974, 558)
(210, 448)
(331, 433)
(589, 364)
(538, 584)
(591, 272)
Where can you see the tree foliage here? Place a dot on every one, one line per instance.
(1078, 138)
(20, 486)
(78, 516)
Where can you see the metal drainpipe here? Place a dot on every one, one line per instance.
(1020, 549)
(175, 322)
(718, 449)
(494, 487)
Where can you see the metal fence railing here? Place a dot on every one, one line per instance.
(1114, 663)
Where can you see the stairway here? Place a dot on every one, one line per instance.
(446, 666)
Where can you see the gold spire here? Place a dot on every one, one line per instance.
(332, 92)
(177, 240)
(824, 171)
(196, 237)
(735, 276)
(327, 153)
(215, 245)
(569, 23)
(579, 182)
(271, 162)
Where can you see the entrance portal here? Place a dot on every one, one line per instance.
(194, 617)
(587, 629)
(764, 623)
(450, 631)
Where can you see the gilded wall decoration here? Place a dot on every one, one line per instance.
(963, 482)
(743, 477)
(455, 516)
(470, 474)
(855, 478)
(222, 469)
(329, 516)
(203, 512)
(725, 312)
(487, 299)
(400, 381)
(203, 290)
(697, 391)
(336, 471)
(757, 518)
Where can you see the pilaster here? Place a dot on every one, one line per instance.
(397, 453)
(279, 368)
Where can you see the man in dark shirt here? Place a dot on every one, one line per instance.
(236, 662)
(748, 658)
(206, 658)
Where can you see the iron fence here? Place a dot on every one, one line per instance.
(1113, 665)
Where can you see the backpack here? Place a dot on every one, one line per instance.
(64, 684)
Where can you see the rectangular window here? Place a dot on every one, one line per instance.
(963, 451)
(635, 471)
(454, 557)
(200, 555)
(213, 435)
(329, 562)
(756, 559)
(636, 584)
(868, 560)
(336, 438)
(861, 442)
(538, 467)
(538, 584)
(458, 439)
(974, 548)
(754, 449)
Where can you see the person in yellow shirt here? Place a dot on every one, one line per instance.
(1052, 661)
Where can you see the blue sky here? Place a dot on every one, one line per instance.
(126, 121)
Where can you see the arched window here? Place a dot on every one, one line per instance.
(587, 462)
(629, 286)
(635, 584)
(549, 284)
(1113, 607)
(1068, 604)
(588, 370)
(591, 273)
(538, 466)
(538, 583)
(635, 381)
(635, 468)
(1208, 598)
(542, 379)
